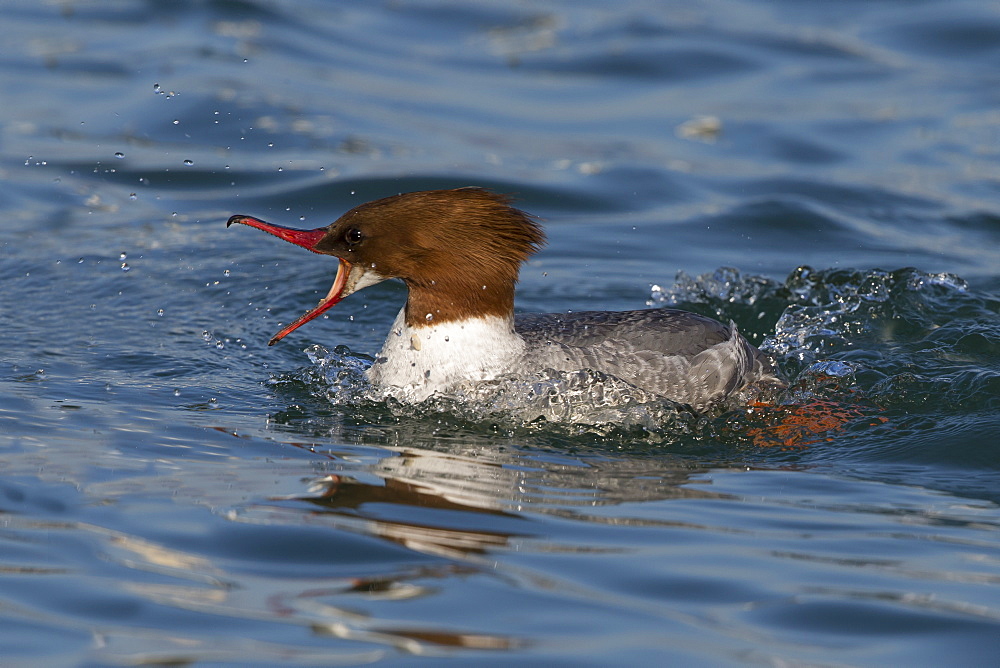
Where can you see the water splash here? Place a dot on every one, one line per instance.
(839, 309)
(754, 302)
(902, 338)
(578, 401)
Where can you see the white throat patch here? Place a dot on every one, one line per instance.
(416, 362)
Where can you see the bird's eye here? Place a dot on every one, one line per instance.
(353, 236)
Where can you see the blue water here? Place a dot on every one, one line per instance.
(827, 175)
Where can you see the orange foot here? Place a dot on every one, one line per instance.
(797, 426)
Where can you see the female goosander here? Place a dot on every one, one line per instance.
(459, 253)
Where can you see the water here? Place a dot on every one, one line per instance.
(173, 490)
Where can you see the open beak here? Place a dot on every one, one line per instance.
(307, 239)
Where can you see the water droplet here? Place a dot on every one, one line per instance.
(177, 121)
(270, 144)
(133, 196)
(159, 312)
(429, 317)
(177, 392)
(156, 88)
(173, 215)
(225, 273)
(281, 169)
(484, 287)
(302, 217)
(447, 339)
(206, 335)
(189, 162)
(122, 255)
(220, 345)
(125, 266)
(119, 155)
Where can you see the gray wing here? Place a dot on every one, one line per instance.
(685, 357)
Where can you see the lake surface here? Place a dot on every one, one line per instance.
(826, 175)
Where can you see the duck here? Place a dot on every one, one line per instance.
(459, 252)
